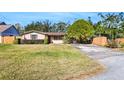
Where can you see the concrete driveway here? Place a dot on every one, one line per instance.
(113, 60)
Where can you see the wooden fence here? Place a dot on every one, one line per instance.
(102, 41)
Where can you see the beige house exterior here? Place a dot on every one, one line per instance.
(29, 36)
(53, 37)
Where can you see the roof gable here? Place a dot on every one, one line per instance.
(2, 23)
(10, 30)
(4, 27)
(45, 33)
(32, 31)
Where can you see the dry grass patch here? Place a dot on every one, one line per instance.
(46, 62)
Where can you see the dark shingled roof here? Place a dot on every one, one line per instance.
(4, 27)
(54, 33)
(2, 23)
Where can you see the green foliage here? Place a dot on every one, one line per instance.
(46, 40)
(66, 40)
(16, 41)
(90, 21)
(99, 29)
(80, 30)
(47, 26)
(4, 47)
(111, 24)
(32, 42)
(35, 26)
(59, 27)
(122, 45)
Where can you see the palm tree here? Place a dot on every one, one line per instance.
(61, 27)
(47, 26)
(111, 23)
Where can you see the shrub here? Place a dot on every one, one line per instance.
(122, 45)
(113, 44)
(15, 41)
(32, 42)
(66, 40)
(46, 40)
(107, 45)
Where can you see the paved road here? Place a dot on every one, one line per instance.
(113, 60)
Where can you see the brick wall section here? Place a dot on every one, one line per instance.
(102, 41)
(119, 40)
(8, 39)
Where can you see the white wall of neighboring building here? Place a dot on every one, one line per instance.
(0, 39)
(28, 36)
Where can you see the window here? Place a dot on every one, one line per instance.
(34, 37)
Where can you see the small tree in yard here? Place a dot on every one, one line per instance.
(81, 31)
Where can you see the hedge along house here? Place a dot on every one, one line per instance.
(8, 33)
(39, 37)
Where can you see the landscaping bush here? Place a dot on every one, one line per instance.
(46, 40)
(66, 40)
(32, 41)
(113, 44)
(122, 45)
(15, 41)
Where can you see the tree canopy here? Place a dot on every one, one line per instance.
(47, 26)
(81, 30)
(110, 24)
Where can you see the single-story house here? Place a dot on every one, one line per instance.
(39, 36)
(8, 33)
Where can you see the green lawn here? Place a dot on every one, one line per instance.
(47, 62)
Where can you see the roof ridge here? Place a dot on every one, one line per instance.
(4, 27)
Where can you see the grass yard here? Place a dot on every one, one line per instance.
(45, 62)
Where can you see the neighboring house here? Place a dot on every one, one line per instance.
(38, 36)
(2, 23)
(8, 33)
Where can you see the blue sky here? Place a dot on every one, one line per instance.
(27, 17)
